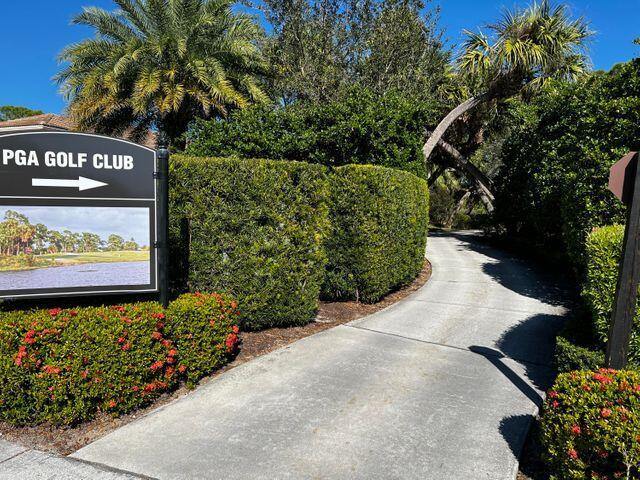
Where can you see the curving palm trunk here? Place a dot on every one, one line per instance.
(483, 184)
(457, 208)
(447, 121)
(440, 169)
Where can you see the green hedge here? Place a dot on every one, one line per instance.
(255, 229)
(570, 356)
(590, 425)
(62, 366)
(263, 231)
(360, 128)
(380, 219)
(552, 186)
(604, 248)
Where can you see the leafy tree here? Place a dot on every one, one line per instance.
(41, 238)
(552, 187)
(404, 51)
(70, 241)
(161, 63)
(130, 245)
(89, 242)
(10, 112)
(56, 241)
(524, 50)
(320, 47)
(115, 242)
(16, 233)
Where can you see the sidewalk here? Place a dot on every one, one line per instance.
(20, 463)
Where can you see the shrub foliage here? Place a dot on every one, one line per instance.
(361, 128)
(64, 366)
(571, 356)
(255, 229)
(591, 425)
(264, 230)
(552, 188)
(604, 249)
(380, 219)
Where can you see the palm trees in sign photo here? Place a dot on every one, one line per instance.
(157, 64)
(523, 50)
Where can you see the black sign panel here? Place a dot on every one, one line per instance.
(78, 215)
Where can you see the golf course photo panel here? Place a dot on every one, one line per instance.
(78, 215)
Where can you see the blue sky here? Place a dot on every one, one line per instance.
(128, 222)
(34, 32)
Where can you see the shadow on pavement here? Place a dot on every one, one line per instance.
(515, 273)
(532, 343)
(515, 429)
(529, 450)
(496, 357)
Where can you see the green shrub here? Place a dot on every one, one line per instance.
(590, 425)
(552, 187)
(255, 229)
(570, 356)
(360, 128)
(380, 219)
(64, 366)
(198, 322)
(604, 248)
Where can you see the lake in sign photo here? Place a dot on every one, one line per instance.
(66, 247)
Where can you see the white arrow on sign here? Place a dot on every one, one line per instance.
(81, 184)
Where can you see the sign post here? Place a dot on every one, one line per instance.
(81, 214)
(163, 223)
(624, 182)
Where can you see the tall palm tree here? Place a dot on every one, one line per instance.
(160, 63)
(525, 49)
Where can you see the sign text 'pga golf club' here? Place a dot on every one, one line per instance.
(78, 215)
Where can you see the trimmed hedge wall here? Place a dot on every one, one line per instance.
(263, 231)
(253, 228)
(379, 232)
(590, 425)
(62, 366)
(604, 248)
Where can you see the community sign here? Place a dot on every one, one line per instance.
(78, 215)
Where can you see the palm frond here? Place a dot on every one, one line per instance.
(109, 25)
(153, 61)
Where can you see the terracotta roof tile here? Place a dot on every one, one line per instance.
(46, 119)
(64, 123)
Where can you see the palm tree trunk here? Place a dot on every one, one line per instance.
(447, 121)
(456, 209)
(482, 183)
(437, 173)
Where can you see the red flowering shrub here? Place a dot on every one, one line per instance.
(205, 333)
(64, 366)
(591, 425)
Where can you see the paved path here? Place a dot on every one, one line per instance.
(442, 385)
(20, 463)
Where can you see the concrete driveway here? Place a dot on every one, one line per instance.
(442, 385)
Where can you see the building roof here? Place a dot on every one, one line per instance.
(46, 120)
(50, 121)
